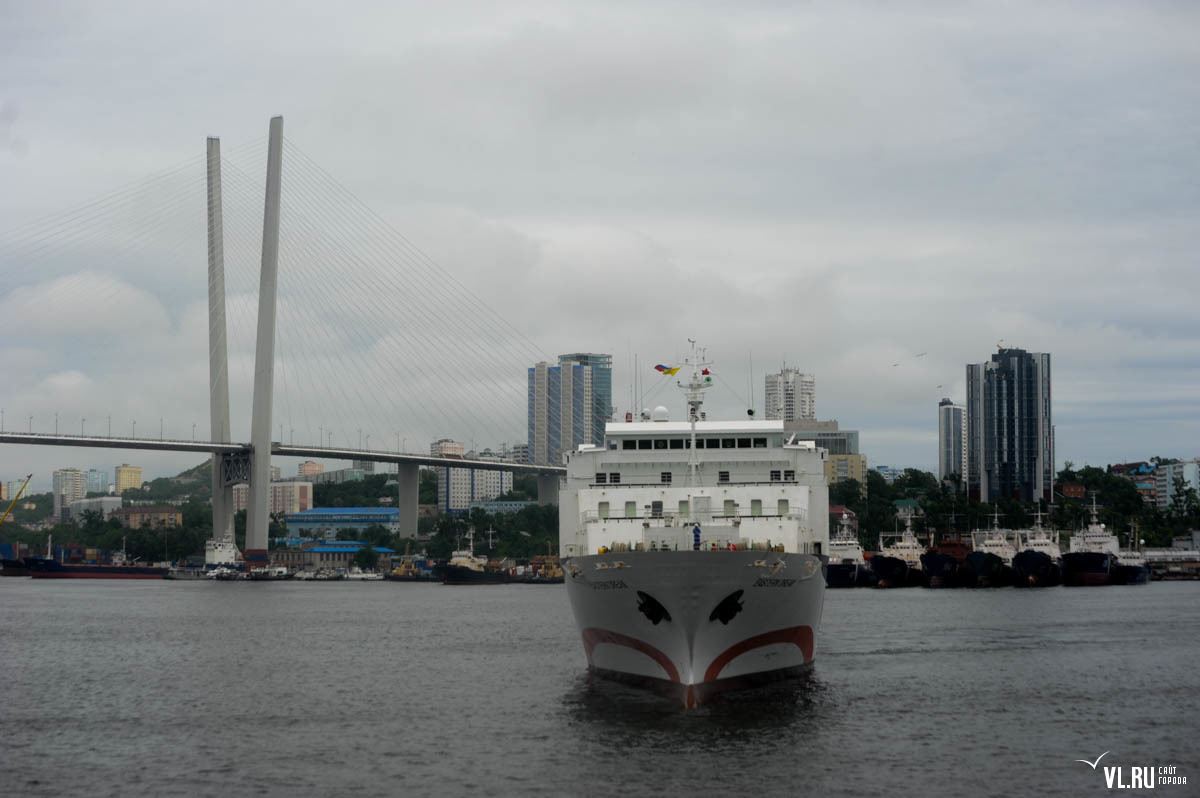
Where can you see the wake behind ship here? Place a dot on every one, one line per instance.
(693, 550)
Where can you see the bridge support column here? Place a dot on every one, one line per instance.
(218, 358)
(408, 481)
(547, 489)
(257, 519)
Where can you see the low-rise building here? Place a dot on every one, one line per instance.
(315, 555)
(325, 522)
(105, 505)
(154, 516)
(840, 467)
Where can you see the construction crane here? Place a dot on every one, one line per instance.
(13, 503)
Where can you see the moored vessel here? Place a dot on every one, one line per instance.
(1093, 553)
(898, 563)
(990, 563)
(693, 551)
(466, 568)
(847, 566)
(1039, 561)
(943, 563)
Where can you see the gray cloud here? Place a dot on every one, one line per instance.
(838, 187)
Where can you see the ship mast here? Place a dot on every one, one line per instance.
(698, 382)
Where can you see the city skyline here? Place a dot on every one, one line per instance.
(610, 205)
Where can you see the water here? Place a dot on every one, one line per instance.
(197, 688)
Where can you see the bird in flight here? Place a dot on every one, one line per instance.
(1092, 765)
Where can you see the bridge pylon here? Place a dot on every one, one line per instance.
(218, 354)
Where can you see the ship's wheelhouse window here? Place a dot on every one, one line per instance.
(660, 443)
(645, 443)
(712, 443)
(760, 443)
(728, 443)
(774, 476)
(614, 478)
(631, 509)
(743, 443)
(602, 510)
(789, 476)
(722, 476)
(676, 443)
(756, 507)
(783, 507)
(628, 444)
(665, 477)
(601, 478)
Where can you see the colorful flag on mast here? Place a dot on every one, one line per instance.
(666, 369)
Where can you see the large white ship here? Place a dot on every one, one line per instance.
(693, 549)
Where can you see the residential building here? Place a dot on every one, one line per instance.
(1010, 435)
(366, 466)
(308, 468)
(515, 452)
(276, 473)
(569, 404)
(1073, 490)
(840, 467)
(97, 481)
(889, 473)
(105, 505)
(285, 497)
(458, 487)
(1188, 472)
(791, 395)
(334, 477)
(127, 477)
(153, 516)
(952, 442)
(68, 485)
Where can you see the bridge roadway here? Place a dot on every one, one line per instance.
(277, 450)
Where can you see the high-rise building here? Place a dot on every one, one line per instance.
(1010, 436)
(791, 395)
(127, 477)
(68, 485)
(824, 434)
(285, 497)
(1187, 472)
(308, 468)
(97, 481)
(569, 404)
(952, 441)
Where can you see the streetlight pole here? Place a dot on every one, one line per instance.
(133, 429)
(360, 437)
(110, 426)
(31, 424)
(193, 432)
(81, 420)
(160, 428)
(56, 422)
(368, 443)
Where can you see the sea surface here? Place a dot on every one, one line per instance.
(196, 688)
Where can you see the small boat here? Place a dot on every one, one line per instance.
(465, 568)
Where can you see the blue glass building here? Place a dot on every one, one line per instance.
(569, 404)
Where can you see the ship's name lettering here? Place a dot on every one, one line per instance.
(611, 584)
(768, 582)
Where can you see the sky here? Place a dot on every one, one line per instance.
(835, 186)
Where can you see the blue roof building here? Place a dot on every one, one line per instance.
(324, 522)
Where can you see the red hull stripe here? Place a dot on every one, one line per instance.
(592, 637)
(802, 636)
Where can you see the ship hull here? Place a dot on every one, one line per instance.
(693, 624)
(13, 567)
(941, 570)
(988, 570)
(889, 571)
(1036, 569)
(52, 569)
(459, 575)
(1087, 568)
(1130, 575)
(841, 574)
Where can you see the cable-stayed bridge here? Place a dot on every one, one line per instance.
(355, 330)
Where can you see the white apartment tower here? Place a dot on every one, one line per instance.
(791, 396)
(952, 441)
(69, 484)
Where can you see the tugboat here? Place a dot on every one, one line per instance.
(847, 566)
(1039, 563)
(899, 563)
(465, 568)
(990, 564)
(1093, 555)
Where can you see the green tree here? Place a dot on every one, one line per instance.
(366, 558)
